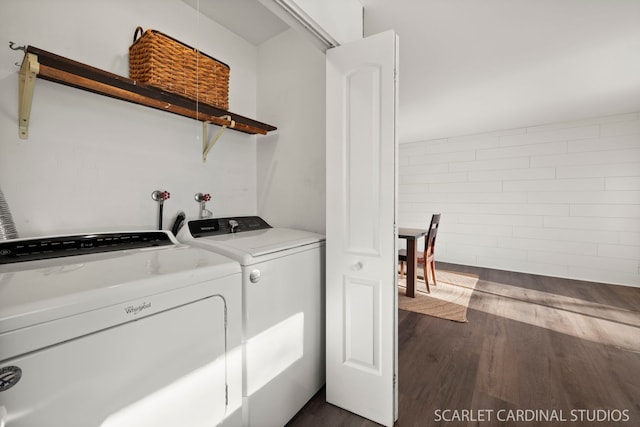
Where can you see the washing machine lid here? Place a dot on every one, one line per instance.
(42, 290)
(247, 247)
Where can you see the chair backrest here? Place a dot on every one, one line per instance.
(430, 239)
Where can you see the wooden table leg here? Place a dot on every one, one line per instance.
(412, 274)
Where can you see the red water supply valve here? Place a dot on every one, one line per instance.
(160, 196)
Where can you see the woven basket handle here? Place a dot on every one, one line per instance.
(137, 33)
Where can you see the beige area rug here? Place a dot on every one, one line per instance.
(449, 299)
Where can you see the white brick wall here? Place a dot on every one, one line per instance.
(560, 200)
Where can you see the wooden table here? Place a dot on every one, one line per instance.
(411, 235)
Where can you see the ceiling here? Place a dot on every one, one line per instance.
(469, 66)
(247, 18)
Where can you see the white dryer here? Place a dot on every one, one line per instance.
(283, 311)
(118, 329)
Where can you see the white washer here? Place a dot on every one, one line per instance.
(118, 329)
(283, 311)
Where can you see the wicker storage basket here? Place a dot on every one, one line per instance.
(164, 62)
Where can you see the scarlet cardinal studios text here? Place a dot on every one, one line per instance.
(532, 415)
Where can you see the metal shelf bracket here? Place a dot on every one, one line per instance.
(207, 144)
(28, 72)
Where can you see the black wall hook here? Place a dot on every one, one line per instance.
(12, 44)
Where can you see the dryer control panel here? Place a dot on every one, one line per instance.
(217, 226)
(38, 248)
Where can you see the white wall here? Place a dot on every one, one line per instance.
(291, 161)
(559, 200)
(91, 162)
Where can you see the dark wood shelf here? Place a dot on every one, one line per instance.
(65, 71)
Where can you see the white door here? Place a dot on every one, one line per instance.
(361, 230)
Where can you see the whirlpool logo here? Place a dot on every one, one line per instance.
(134, 310)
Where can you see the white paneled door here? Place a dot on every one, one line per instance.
(361, 227)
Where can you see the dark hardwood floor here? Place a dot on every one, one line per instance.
(537, 351)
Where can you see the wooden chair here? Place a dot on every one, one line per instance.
(428, 255)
